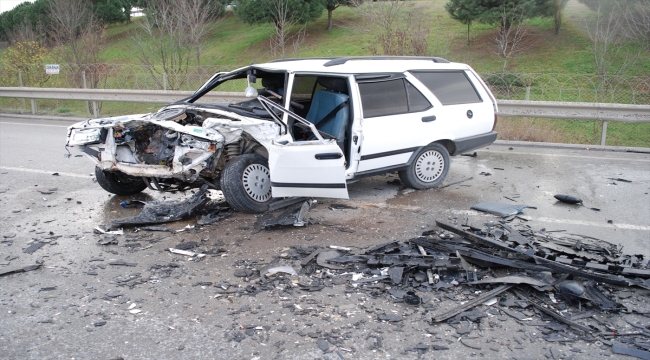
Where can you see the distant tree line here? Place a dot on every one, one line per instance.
(34, 19)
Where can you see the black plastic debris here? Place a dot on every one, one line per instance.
(499, 209)
(295, 215)
(33, 247)
(14, 270)
(214, 216)
(568, 199)
(158, 212)
(573, 290)
(410, 298)
(621, 349)
(389, 317)
(323, 344)
(122, 263)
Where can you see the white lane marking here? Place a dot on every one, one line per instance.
(14, 123)
(568, 222)
(566, 155)
(44, 172)
(591, 223)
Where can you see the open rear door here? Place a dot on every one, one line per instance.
(307, 168)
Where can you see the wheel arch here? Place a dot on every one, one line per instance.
(450, 145)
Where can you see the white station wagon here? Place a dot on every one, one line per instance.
(309, 128)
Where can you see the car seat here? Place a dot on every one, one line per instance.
(330, 110)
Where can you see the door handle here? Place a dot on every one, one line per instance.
(328, 156)
(429, 118)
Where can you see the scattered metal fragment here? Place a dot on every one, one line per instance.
(20, 269)
(99, 230)
(214, 215)
(499, 209)
(455, 182)
(389, 317)
(33, 247)
(619, 348)
(410, 298)
(573, 290)
(341, 207)
(293, 216)
(122, 263)
(472, 303)
(185, 252)
(155, 228)
(158, 212)
(621, 180)
(281, 269)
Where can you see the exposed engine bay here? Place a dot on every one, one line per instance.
(175, 149)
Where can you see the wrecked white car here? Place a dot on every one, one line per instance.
(312, 127)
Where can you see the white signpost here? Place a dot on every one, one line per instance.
(52, 69)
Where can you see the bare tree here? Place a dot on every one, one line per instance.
(197, 16)
(78, 36)
(512, 40)
(608, 33)
(398, 27)
(171, 33)
(637, 21)
(285, 19)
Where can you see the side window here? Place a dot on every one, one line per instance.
(303, 86)
(417, 101)
(450, 87)
(390, 98)
(383, 98)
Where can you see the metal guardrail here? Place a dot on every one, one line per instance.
(508, 108)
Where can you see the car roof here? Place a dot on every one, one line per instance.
(362, 64)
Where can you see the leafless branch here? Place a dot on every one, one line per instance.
(512, 40)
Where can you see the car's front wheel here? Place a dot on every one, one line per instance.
(246, 183)
(429, 168)
(119, 183)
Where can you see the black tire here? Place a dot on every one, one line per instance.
(246, 183)
(119, 183)
(428, 169)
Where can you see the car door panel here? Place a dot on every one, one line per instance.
(307, 168)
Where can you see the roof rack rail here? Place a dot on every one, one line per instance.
(343, 60)
(298, 59)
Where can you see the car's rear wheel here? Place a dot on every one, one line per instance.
(246, 183)
(429, 168)
(119, 183)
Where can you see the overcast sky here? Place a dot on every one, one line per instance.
(6, 5)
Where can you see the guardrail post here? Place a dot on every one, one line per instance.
(20, 81)
(83, 77)
(165, 81)
(603, 135)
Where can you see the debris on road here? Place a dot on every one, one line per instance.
(33, 247)
(568, 199)
(158, 212)
(499, 209)
(15, 270)
(186, 253)
(295, 215)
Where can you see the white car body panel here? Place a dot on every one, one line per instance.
(295, 170)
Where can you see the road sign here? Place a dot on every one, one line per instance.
(52, 69)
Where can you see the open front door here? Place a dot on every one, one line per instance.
(307, 168)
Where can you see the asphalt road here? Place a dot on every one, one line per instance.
(178, 320)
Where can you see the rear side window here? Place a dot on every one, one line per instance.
(452, 87)
(390, 98)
